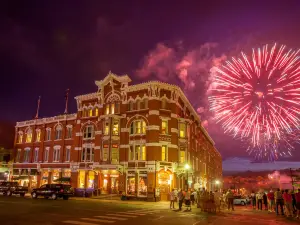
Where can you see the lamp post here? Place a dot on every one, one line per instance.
(187, 167)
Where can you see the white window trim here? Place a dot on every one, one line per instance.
(140, 152)
(84, 150)
(167, 153)
(68, 148)
(85, 131)
(56, 148)
(134, 127)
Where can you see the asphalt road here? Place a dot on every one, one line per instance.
(27, 211)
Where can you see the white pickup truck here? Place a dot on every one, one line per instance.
(241, 200)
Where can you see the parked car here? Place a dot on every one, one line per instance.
(241, 200)
(53, 191)
(10, 188)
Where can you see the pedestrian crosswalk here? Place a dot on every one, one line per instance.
(110, 217)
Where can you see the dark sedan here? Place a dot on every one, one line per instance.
(53, 191)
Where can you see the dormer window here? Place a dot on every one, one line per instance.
(48, 134)
(38, 135)
(29, 136)
(96, 111)
(90, 112)
(20, 137)
(138, 104)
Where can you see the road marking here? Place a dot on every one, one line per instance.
(115, 214)
(78, 222)
(111, 217)
(133, 213)
(158, 218)
(98, 220)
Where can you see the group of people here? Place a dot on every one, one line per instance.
(287, 201)
(207, 201)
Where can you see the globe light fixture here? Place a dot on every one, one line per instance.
(217, 182)
(187, 166)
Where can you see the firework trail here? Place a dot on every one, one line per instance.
(257, 98)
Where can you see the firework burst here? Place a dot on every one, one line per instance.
(257, 98)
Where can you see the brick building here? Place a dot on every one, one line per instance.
(131, 138)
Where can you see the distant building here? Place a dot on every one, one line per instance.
(123, 138)
(5, 156)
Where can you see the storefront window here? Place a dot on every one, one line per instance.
(81, 178)
(114, 184)
(105, 154)
(91, 179)
(67, 173)
(142, 186)
(45, 177)
(131, 185)
(55, 175)
(33, 181)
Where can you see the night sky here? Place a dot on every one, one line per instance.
(49, 46)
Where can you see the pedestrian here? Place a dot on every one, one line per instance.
(294, 202)
(217, 200)
(229, 198)
(253, 199)
(193, 197)
(172, 199)
(265, 199)
(180, 198)
(188, 200)
(297, 197)
(259, 197)
(279, 201)
(271, 201)
(288, 203)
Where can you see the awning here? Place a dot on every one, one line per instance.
(20, 178)
(63, 179)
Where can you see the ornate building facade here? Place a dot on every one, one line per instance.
(136, 139)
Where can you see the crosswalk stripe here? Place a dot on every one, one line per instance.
(133, 213)
(111, 217)
(144, 211)
(78, 222)
(115, 214)
(98, 220)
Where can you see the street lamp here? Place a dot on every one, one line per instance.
(217, 183)
(187, 167)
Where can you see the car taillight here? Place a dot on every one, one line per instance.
(61, 190)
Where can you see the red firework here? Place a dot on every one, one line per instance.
(258, 97)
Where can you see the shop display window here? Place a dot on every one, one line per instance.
(142, 187)
(91, 179)
(131, 186)
(81, 178)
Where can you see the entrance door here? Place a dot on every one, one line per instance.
(164, 185)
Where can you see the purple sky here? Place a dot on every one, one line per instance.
(49, 46)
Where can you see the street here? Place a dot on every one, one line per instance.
(27, 211)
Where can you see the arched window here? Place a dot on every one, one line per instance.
(20, 137)
(58, 132)
(96, 111)
(138, 104)
(138, 127)
(90, 112)
(130, 106)
(28, 135)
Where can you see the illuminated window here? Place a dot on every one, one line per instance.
(56, 154)
(114, 155)
(58, 132)
(104, 154)
(96, 112)
(84, 113)
(29, 136)
(38, 135)
(143, 153)
(112, 108)
(144, 127)
(106, 128)
(182, 156)
(20, 137)
(89, 131)
(138, 127)
(90, 112)
(107, 109)
(69, 132)
(164, 153)
(182, 128)
(87, 154)
(164, 126)
(197, 164)
(48, 134)
(116, 127)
